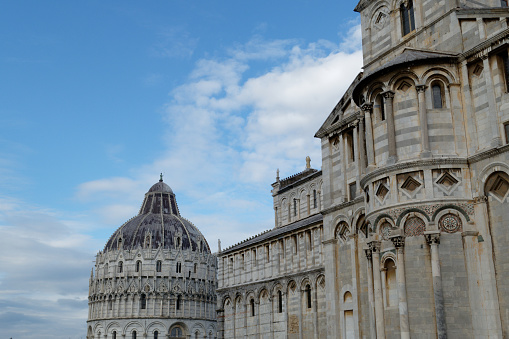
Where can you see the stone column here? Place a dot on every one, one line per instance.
(391, 130)
(423, 120)
(370, 150)
(276, 216)
(493, 111)
(433, 239)
(371, 307)
(399, 243)
(362, 147)
(374, 245)
(332, 287)
(344, 160)
(356, 156)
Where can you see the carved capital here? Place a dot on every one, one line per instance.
(367, 108)
(374, 246)
(398, 241)
(481, 199)
(432, 238)
(388, 94)
(421, 88)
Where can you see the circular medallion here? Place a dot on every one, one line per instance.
(450, 223)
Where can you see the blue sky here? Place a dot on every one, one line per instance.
(97, 98)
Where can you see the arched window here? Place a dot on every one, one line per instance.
(143, 301)
(120, 267)
(178, 302)
(308, 295)
(134, 334)
(179, 268)
(156, 334)
(195, 268)
(391, 283)
(252, 307)
(314, 198)
(159, 265)
(178, 242)
(294, 207)
(114, 334)
(138, 266)
(280, 301)
(407, 17)
(437, 95)
(176, 332)
(196, 334)
(119, 245)
(110, 303)
(380, 106)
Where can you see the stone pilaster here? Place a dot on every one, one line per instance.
(423, 120)
(370, 150)
(391, 129)
(433, 240)
(371, 306)
(399, 243)
(374, 246)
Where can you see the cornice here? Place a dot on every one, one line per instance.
(487, 154)
(410, 164)
(487, 44)
(339, 126)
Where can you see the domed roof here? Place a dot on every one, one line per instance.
(158, 224)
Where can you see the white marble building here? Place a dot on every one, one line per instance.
(409, 234)
(155, 278)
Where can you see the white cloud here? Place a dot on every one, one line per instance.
(229, 127)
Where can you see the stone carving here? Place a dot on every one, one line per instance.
(450, 223)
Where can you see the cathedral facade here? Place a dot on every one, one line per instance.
(155, 278)
(404, 230)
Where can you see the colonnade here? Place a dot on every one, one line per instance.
(375, 296)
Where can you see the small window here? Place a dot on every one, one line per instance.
(242, 262)
(114, 334)
(159, 266)
(314, 198)
(178, 243)
(506, 129)
(138, 266)
(134, 334)
(436, 92)
(179, 268)
(379, 108)
(110, 303)
(350, 145)
(252, 307)
(195, 268)
(352, 190)
(309, 240)
(119, 245)
(120, 267)
(280, 301)
(156, 335)
(505, 68)
(308, 295)
(407, 18)
(178, 302)
(267, 250)
(143, 301)
(254, 257)
(294, 207)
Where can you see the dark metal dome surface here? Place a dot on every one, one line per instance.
(158, 224)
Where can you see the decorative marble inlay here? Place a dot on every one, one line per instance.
(414, 226)
(450, 223)
(385, 230)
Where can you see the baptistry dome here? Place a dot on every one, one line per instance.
(158, 224)
(155, 278)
